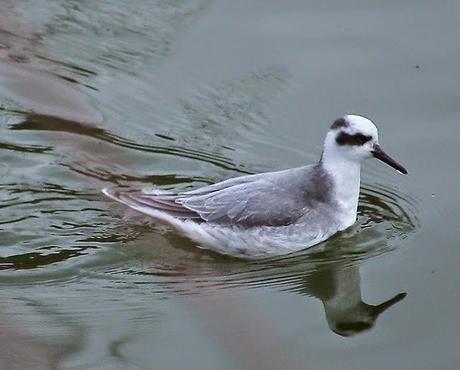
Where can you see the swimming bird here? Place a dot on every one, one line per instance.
(272, 213)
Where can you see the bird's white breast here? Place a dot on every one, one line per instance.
(346, 178)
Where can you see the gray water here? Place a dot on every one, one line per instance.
(186, 93)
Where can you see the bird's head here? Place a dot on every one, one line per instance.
(355, 138)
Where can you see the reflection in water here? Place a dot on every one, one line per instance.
(21, 351)
(329, 271)
(43, 256)
(339, 288)
(37, 122)
(106, 35)
(32, 90)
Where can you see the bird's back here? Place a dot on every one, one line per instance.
(269, 199)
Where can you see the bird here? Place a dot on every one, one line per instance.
(272, 213)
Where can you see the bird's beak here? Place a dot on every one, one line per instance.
(377, 152)
(385, 305)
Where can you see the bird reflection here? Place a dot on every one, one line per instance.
(338, 286)
(329, 271)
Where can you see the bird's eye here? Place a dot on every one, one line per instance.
(361, 139)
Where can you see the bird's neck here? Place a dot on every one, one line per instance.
(346, 300)
(346, 176)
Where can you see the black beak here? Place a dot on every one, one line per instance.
(377, 152)
(385, 305)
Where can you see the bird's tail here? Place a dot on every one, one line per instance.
(159, 205)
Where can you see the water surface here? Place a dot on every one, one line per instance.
(186, 93)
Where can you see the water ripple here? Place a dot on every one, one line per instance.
(37, 122)
(385, 218)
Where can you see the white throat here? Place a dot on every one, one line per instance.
(346, 175)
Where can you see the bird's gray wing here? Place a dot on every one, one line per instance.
(251, 204)
(270, 199)
(145, 202)
(171, 203)
(227, 184)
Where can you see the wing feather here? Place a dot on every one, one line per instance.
(248, 204)
(155, 201)
(269, 199)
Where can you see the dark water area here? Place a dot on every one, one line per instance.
(180, 94)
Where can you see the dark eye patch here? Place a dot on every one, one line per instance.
(354, 326)
(357, 139)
